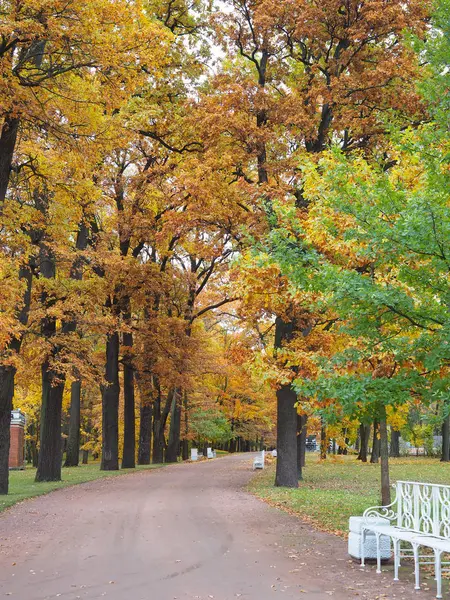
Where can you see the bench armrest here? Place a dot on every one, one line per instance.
(388, 512)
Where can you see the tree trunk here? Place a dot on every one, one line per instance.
(84, 457)
(73, 441)
(159, 425)
(287, 460)
(173, 447)
(145, 434)
(384, 455)
(7, 374)
(129, 431)
(76, 273)
(110, 406)
(50, 458)
(445, 439)
(395, 443)
(358, 442)
(323, 441)
(158, 439)
(375, 443)
(8, 139)
(346, 441)
(364, 434)
(185, 443)
(301, 443)
(49, 461)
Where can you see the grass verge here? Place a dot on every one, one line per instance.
(337, 488)
(23, 486)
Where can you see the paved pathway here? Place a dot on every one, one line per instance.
(180, 533)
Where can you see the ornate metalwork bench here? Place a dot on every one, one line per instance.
(420, 517)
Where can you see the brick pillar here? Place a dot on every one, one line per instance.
(16, 449)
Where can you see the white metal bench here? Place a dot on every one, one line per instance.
(419, 516)
(258, 461)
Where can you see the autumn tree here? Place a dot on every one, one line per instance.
(53, 75)
(387, 234)
(307, 75)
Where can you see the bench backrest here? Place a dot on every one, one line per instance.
(424, 507)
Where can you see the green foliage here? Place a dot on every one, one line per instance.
(210, 425)
(383, 269)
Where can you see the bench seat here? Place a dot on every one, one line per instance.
(419, 517)
(439, 546)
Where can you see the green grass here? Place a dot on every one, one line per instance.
(23, 486)
(335, 489)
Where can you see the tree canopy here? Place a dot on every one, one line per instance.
(219, 221)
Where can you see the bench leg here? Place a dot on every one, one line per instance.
(396, 544)
(377, 536)
(416, 566)
(438, 572)
(363, 539)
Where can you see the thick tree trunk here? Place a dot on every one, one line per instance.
(446, 440)
(73, 440)
(384, 455)
(159, 425)
(394, 450)
(129, 432)
(69, 326)
(8, 139)
(110, 406)
(49, 462)
(7, 374)
(374, 457)
(145, 434)
(287, 460)
(364, 434)
(173, 447)
(50, 458)
(76, 273)
(158, 434)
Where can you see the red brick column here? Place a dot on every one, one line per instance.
(16, 457)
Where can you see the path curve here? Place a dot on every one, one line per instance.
(183, 532)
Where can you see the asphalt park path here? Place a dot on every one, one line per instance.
(184, 532)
